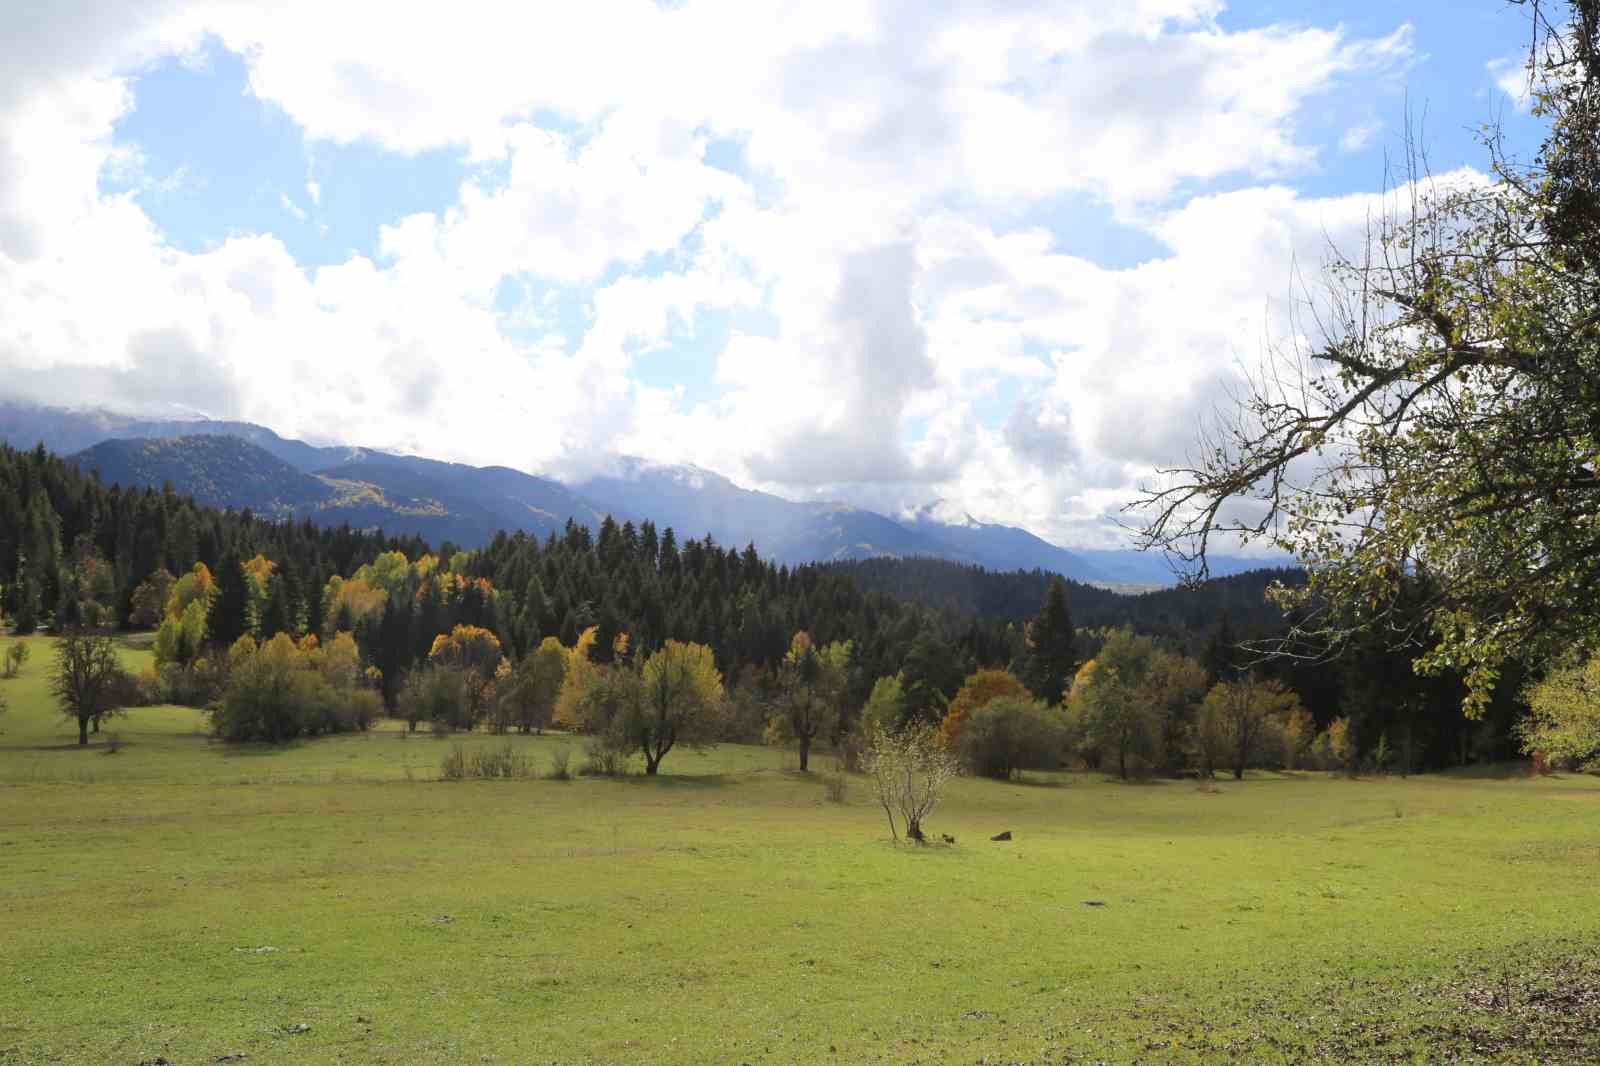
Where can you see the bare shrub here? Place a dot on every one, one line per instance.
(16, 654)
(604, 757)
(454, 767)
(561, 764)
(504, 761)
(835, 782)
(908, 770)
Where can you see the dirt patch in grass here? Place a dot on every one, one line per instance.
(1536, 1007)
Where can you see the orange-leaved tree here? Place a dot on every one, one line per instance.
(978, 690)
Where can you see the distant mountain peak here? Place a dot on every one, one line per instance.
(945, 513)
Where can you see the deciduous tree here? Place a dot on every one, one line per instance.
(1442, 432)
(530, 692)
(1012, 733)
(1111, 709)
(811, 684)
(1563, 722)
(681, 695)
(909, 769)
(978, 691)
(476, 653)
(88, 681)
(1242, 715)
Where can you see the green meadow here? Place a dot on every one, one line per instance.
(178, 900)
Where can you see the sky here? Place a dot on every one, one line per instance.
(1007, 255)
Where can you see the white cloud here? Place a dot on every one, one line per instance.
(922, 342)
(1358, 137)
(1510, 75)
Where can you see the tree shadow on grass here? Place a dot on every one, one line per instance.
(258, 751)
(677, 781)
(1521, 770)
(1039, 782)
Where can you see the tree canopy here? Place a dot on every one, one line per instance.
(1432, 459)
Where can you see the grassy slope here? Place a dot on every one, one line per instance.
(726, 913)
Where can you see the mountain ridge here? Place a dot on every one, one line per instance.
(468, 504)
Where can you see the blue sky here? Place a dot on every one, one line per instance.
(882, 253)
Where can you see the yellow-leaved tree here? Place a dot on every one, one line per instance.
(1563, 723)
(681, 703)
(475, 653)
(578, 678)
(527, 692)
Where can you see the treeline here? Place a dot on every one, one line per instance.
(1182, 616)
(74, 553)
(1223, 623)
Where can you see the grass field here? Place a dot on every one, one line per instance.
(180, 901)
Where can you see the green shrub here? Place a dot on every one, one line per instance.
(437, 694)
(197, 684)
(362, 707)
(1009, 734)
(274, 693)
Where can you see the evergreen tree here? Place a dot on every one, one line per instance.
(1050, 657)
(1220, 656)
(229, 617)
(277, 614)
(932, 674)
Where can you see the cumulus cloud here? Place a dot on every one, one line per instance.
(1511, 77)
(921, 342)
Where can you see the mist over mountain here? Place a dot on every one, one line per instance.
(242, 465)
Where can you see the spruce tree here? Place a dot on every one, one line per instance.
(1050, 658)
(229, 617)
(1219, 655)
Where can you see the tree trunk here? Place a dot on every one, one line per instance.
(914, 831)
(411, 727)
(805, 752)
(1122, 762)
(96, 723)
(83, 732)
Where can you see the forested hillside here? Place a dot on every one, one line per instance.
(1015, 595)
(73, 552)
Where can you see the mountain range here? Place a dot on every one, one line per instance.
(242, 465)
